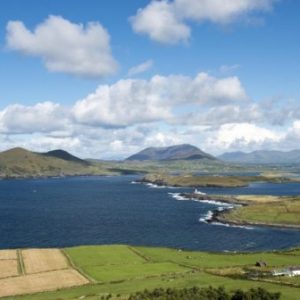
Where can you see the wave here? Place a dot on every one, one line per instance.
(151, 185)
(178, 196)
(156, 186)
(232, 225)
(207, 218)
(215, 202)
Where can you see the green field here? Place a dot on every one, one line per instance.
(122, 270)
(281, 211)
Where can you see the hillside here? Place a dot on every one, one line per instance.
(263, 157)
(178, 152)
(64, 155)
(19, 162)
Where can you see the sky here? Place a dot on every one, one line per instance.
(105, 79)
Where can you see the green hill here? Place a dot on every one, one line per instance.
(19, 163)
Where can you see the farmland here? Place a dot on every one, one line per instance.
(122, 270)
(36, 270)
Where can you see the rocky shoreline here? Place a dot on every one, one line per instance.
(219, 216)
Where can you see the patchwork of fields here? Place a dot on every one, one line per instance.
(90, 272)
(36, 270)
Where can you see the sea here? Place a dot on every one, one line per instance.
(64, 212)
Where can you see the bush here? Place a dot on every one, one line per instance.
(210, 293)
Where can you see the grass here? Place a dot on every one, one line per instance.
(210, 181)
(279, 211)
(127, 272)
(85, 256)
(123, 271)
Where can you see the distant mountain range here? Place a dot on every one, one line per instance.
(177, 152)
(21, 163)
(262, 157)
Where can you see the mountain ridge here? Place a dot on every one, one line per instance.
(64, 155)
(262, 157)
(175, 152)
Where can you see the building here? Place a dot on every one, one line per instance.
(290, 271)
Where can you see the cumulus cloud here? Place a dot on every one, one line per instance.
(159, 21)
(228, 113)
(42, 117)
(119, 119)
(134, 101)
(141, 68)
(166, 21)
(243, 136)
(65, 46)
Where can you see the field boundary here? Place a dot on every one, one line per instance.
(21, 266)
(138, 253)
(79, 270)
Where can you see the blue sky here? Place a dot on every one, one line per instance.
(251, 51)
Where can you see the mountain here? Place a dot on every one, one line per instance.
(178, 152)
(64, 155)
(262, 157)
(19, 162)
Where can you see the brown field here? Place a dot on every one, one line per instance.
(8, 268)
(45, 270)
(259, 198)
(43, 260)
(8, 254)
(41, 282)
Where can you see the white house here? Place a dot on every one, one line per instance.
(290, 271)
(295, 271)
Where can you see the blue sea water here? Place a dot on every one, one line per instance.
(111, 210)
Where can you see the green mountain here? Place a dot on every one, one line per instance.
(263, 157)
(178, 152)
(19, 162)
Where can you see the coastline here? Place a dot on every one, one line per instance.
(219, 216)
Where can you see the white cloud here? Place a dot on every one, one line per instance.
(159, 21)
(124, 103)
(42, 117)
(223, 114)
(166, 21)
(64, 46)
(133, 101)
(219, 11)
(242, 136)
(141, 68)
(122, 118)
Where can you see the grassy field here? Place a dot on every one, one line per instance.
(121, 270)
(266, 210)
